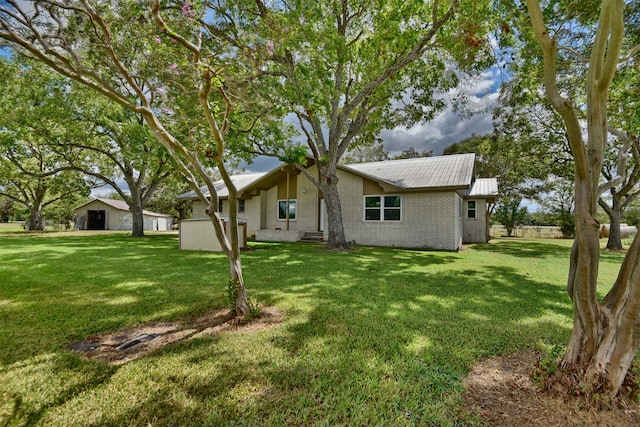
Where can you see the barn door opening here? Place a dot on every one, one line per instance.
(96, 220)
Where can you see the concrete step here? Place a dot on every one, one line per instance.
(312, 237)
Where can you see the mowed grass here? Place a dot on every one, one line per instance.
(375, 336)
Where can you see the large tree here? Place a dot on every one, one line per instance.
(526, 116)
(346, 69)
(31, 171)
(87, 133)
(519, 167)
(606, 334)
(157, 60)
(26, 179)
(117, 148)
(621, 167)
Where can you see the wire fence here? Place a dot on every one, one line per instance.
(528, 231)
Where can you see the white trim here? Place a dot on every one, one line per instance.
(382, 208)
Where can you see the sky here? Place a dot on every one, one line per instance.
(446, 128)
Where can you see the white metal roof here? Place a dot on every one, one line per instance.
(241, 182)
(424, 172)
(121, 205)
(483, 187)
(452, 172)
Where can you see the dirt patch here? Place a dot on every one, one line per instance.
(130, 344)
(501, 390)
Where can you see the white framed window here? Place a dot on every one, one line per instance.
(383, 208)
(282, 210)
(241, 205)
(472, 209)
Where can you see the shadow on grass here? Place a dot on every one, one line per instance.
(55, 290)
(374, 336)
(528, 248)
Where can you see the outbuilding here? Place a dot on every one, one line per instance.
(111, 214)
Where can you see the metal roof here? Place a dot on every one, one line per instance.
(425, 173)
(483, 187)
(121, 205)
(241, 182)
(454, 171)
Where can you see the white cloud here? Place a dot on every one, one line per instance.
(450, 126)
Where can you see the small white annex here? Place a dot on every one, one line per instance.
(430, 202)
(110, 214)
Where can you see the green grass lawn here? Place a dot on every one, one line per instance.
(375, 336)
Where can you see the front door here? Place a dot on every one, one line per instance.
(96, 220)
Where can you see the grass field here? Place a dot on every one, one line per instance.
(374, 336)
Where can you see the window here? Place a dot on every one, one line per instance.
(471, 209)
(219, 205)
(240, 205)
(282, 209)
(382, 208)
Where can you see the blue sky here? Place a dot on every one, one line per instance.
(445, 129)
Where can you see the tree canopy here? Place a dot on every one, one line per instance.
(593, 42)
(343, 70)
(34, 122)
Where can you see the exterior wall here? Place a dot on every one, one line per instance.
(251, 212)
(428, 219)
(307, 207)
(198, 209)
(157, 223)
(475, 230)
(199, 235)
(115, 218)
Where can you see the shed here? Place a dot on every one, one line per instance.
(111, 214)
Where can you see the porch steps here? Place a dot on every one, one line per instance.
(312, 237)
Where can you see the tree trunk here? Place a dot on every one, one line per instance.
(231, 249)
(329, 187)
(137, 218)
(604, 339)
(615, 215)
(36, 222)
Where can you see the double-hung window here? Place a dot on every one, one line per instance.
(383, 208)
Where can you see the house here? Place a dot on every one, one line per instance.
(196, 233)
(110, 214)
(430, 202)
